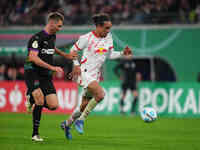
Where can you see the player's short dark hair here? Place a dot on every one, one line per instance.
(55, 16)
(99, 19)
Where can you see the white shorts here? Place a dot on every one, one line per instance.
(86, 78)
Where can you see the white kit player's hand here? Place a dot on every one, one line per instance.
(75, 73)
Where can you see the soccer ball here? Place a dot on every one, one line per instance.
(148, 114)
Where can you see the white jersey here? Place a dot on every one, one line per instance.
(95, 52)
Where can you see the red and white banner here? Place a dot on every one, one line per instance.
(12, 97)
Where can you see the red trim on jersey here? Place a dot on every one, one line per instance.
(80, 82)
(111, 47)
(95, 34)
(82, 62)
(89, 38)
(77, 46)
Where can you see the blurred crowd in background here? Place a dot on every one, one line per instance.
(12, 72)
(79, 12)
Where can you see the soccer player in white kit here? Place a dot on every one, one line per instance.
(97, 46)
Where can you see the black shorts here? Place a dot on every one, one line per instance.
(127, 86)
(34, 81)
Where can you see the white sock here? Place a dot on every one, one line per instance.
(75, 115)
(91, 105)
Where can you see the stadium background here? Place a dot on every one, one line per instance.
(164, 36)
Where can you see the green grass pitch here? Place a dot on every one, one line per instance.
(101, 133)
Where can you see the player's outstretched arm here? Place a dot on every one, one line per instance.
(33, 57)
(72, 55)
(118, 54)
(75, 72)
(78, 46)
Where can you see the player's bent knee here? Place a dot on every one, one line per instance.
(100, 96)
(39, 98)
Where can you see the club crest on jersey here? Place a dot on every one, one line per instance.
(101, 51)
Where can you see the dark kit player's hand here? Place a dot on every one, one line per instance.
(57, 69)
(75, 73)
(127, 51)
(72, 55)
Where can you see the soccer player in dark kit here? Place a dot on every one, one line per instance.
(130, 78)
(39, 69)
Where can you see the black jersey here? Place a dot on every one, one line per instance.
(45, 45)
(128, 68)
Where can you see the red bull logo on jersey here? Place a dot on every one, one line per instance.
(101, 51)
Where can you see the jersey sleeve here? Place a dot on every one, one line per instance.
(79, 45)
(34, 44)
(112, 53)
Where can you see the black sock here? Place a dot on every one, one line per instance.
(37, 112)
(121, 105)
(134, 103)
(31, 100)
